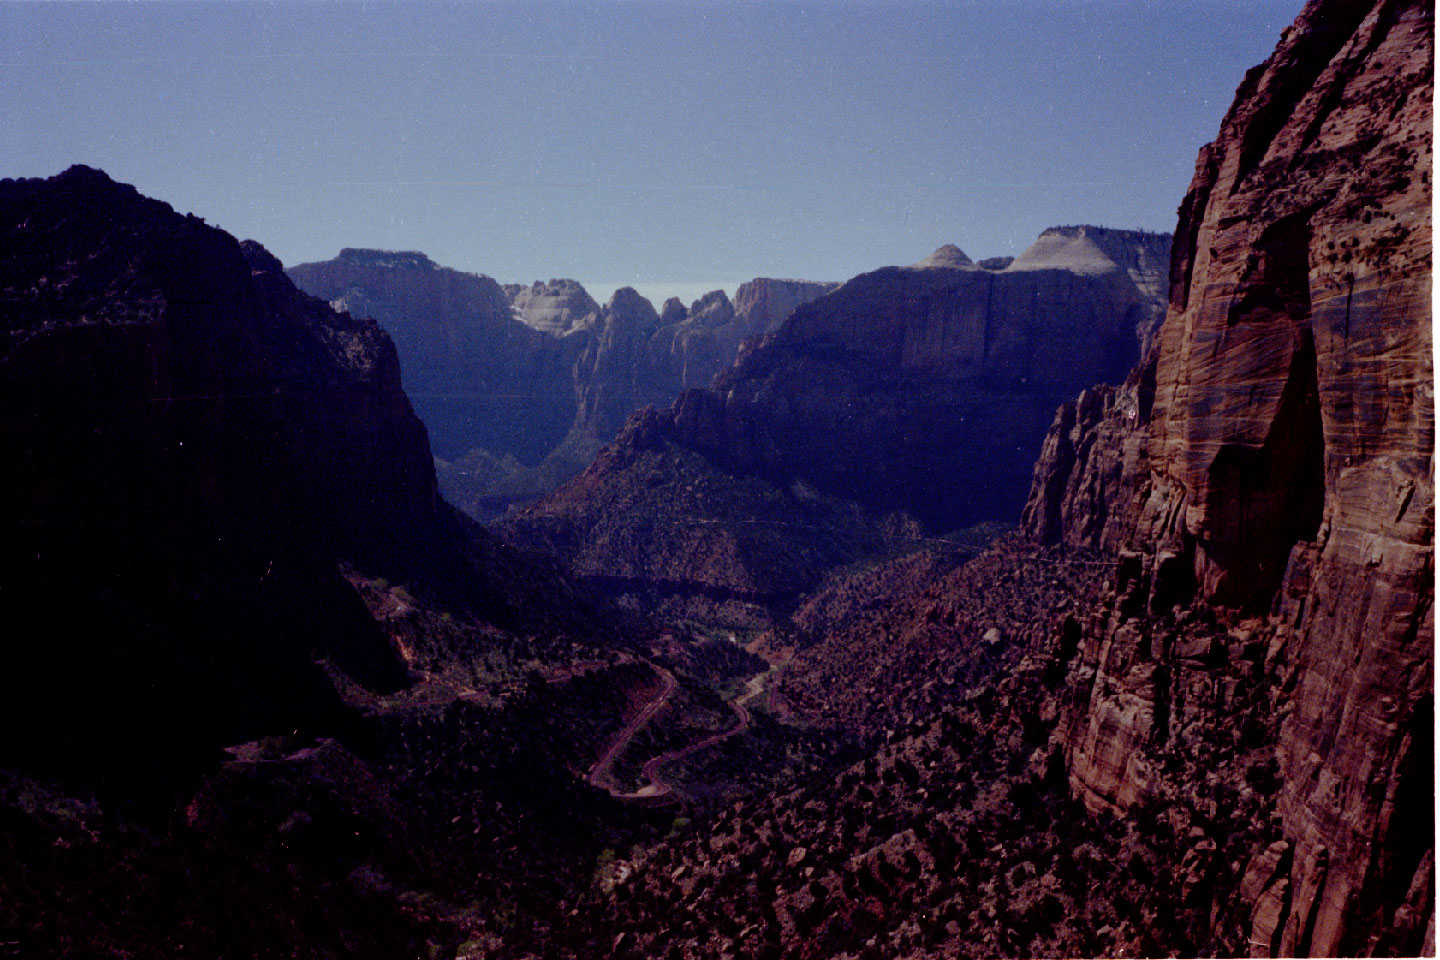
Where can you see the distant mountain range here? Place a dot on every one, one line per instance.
(909, 402)
(266, 693)
(520, 386)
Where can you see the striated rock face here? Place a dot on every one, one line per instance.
(195, 451)
(479, 376)
(1270, 466)
(926, 390)
(519, 386)
(556, 308)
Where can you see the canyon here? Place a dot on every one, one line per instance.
(1074, 604)
(907, 405)
(1188, 707)
(518, 385)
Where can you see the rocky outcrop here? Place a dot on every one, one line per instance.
(923, 389)
(708, 337)
(196, 452)
(764, 304)
(519, 386)
(1089, 477)
(1143, 257)
(947, 256)
(557, 308)
(674, 311)
(1270, 469)
(614, 373)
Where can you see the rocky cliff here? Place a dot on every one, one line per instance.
(928, 389)
(197, 453)
(480, 368)
(557, 307)
(1269, 469)
(632, 357)
(708, 337)
(907, 399)
(518, 385)
(766, 303)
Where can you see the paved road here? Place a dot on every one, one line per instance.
(600, 770)
(652, 786)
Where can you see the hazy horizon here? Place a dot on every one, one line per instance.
(676, 148)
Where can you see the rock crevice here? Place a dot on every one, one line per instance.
(1281, 482)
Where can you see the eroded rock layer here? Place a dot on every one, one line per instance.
(519, 386)
(910, 401)
(1269, 466)
(922, 389)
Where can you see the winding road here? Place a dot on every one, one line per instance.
(600, 769)
(652, 786)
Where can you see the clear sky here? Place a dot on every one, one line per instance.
(673, 146)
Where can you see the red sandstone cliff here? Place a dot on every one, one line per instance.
(1268, 468)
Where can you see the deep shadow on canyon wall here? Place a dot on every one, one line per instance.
(1270, 462)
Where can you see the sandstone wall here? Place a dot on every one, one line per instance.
(1272, 464)
(928, 389)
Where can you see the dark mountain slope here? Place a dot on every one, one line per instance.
(655, 522)
(195, 447)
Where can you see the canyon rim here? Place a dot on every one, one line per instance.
(1075, 600)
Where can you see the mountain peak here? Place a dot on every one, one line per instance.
(1085, 248)
(947, 256)
(260, 259)
(714, 309)
(80, 173)
(557, 306)
(674, 311)
(628, 301)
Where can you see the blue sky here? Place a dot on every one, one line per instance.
(673, 146)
